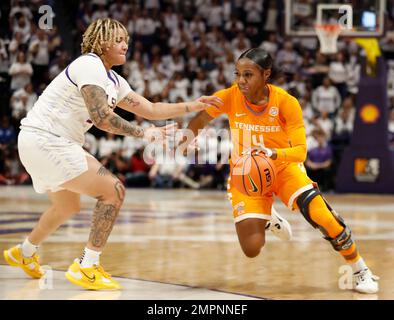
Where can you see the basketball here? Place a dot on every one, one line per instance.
(253, 175)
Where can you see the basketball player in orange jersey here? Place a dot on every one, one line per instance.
(265, 118)
(50, 147)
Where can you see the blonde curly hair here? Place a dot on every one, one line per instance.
(99, 32)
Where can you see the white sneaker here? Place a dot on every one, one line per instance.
(365, 282)
(279, 226)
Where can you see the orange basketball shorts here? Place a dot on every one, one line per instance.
(290, 183)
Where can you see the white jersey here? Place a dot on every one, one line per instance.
(61, 109)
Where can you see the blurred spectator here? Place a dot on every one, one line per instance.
(118, 10)
(22, 25)
(326, 98)
(288, 60)
(22, 102)
(271, 44)
(240, 44)
(145, 28)
(325, 124)
(108, 144)
(254, 11)
(4, 180)
(4, 59)
(233, 27)
(39, 53)
(58, 65)
(16, 45)
(19, 7)
(199, 84)
(7, 133)
(178, 88)
(338, 74)
(167, 173)
(115, 163)
(20, 72)
(319, 160)
(307, 110)
(15, 173)
(271, 17)
(100, 13)
(319, 70)
(197, 27)
(353, 70)
(215, 15)
(137, 173)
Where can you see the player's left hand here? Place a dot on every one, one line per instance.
(269, 153)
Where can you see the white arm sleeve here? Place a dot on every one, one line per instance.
(88, 69)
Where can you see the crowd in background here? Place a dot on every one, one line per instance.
(178, 51)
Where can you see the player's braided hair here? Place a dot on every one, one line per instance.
(98, 32)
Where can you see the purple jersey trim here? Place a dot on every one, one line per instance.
(68, 76)
(117, 80)
(112, 79)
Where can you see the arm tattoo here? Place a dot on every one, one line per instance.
(187, 108)
(102, 115)
(131, 102)
(96, 102)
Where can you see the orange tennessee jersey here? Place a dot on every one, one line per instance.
(279, 125)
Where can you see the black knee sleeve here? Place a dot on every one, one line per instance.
(342, 241)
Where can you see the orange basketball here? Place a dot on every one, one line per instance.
(253, 175)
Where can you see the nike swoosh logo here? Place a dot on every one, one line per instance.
(240, 114)
(255, 189)
(76, 275)
(91, 279)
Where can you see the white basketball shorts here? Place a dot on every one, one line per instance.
(49, 159)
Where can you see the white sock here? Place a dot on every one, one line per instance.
(28, 249)
(89, 258)
(358, 265)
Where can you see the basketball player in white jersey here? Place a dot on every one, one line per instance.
(50, 148)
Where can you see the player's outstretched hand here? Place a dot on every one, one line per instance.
(205, 102)
(160, 133)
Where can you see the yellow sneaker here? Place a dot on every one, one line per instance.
(30, 266)
(93, 278)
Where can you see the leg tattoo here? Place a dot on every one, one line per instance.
(104, 217)
(103, 171)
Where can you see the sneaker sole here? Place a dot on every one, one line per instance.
(12, 263)
(87, 285)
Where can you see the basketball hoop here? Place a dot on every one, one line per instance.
(328, 35)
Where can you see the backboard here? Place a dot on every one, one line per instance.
(357, 18)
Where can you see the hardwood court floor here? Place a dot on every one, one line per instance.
(187, 238)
